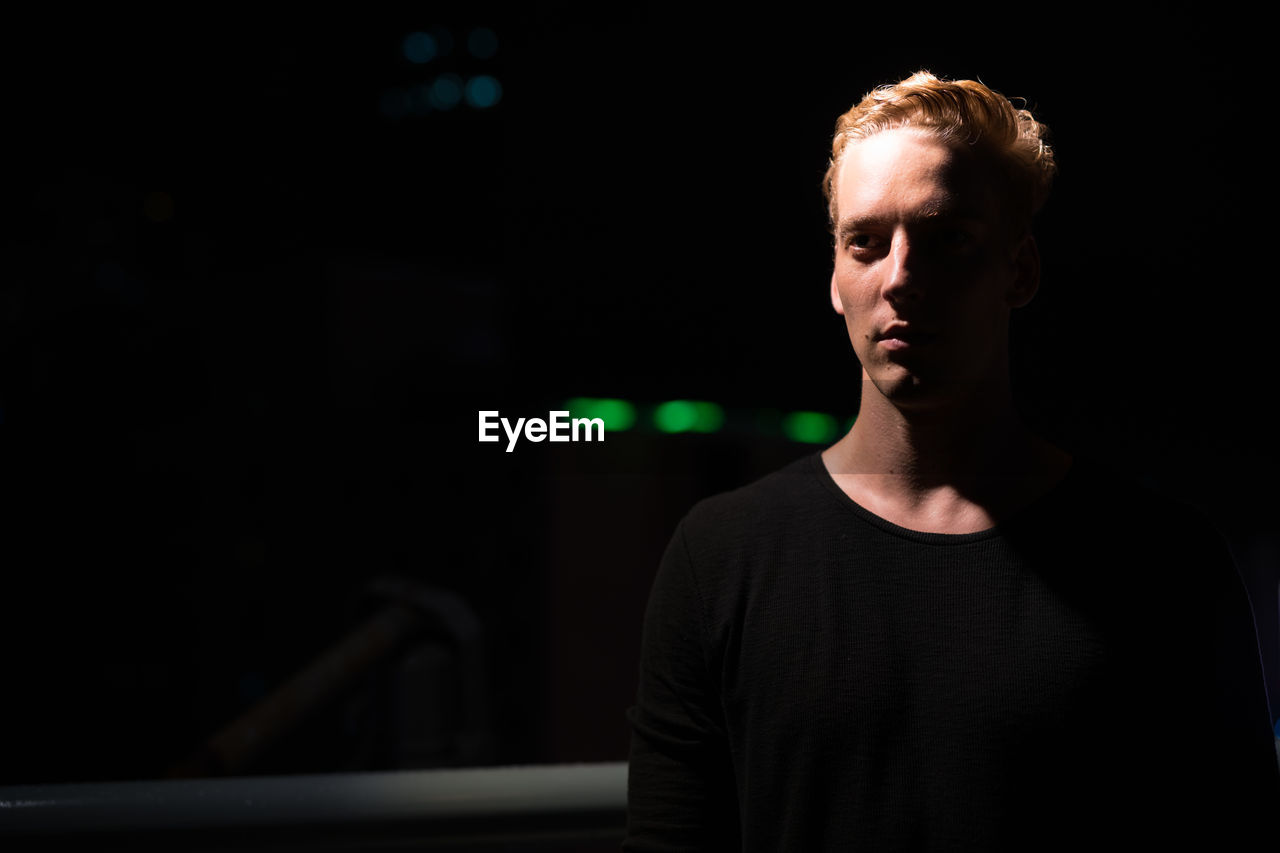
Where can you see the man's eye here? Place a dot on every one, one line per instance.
(864, 241)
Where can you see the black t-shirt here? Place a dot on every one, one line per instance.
(815, 677)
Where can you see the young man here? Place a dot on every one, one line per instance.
(943, 633)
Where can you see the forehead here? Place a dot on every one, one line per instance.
(909, 173)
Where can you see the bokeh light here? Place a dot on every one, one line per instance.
(419, 48)
(688, 416)
(809, 427)
(618, 415)
(483, 91)
(446, 92)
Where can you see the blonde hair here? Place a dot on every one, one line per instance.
(957, 112)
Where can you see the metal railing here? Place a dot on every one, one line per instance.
(503, 808)
(409, 610)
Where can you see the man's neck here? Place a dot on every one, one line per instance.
(957, 469)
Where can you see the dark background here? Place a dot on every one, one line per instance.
(255, 290)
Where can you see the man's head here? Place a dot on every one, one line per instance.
(931, 188)
(960, 112)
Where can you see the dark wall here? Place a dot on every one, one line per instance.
(258, 283)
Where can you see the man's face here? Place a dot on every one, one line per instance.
(926, 272)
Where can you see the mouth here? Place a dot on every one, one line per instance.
(901, 337)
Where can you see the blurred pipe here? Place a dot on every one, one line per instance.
(449, 615)
(515, 808)
(235, 747)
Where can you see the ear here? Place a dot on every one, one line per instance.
(1026, 273)
(835, 295)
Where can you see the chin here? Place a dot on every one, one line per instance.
(918, 394)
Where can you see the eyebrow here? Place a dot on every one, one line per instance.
(933, 212)
(850, 224)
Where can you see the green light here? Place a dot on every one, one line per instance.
(618, 415)
(688, 416)
(710, 417)
(675, 416)
(809, 427)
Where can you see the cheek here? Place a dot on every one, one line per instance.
(857, 322)
(859, 311)
(852, 311)
(852, 291)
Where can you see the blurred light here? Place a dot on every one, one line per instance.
(675, 416)
(810, 427)
(688, 416)
(710, 417)
(618, 415)
(682, 416)
(419, 48)
(446, 92)
(483, 91)
(483, 43)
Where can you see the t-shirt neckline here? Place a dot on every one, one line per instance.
(1000, 529)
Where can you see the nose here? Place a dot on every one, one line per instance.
(902, 281)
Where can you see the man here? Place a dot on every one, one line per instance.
(943, 633)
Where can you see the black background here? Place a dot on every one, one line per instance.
(247, 318)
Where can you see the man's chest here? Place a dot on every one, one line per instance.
(854, 657)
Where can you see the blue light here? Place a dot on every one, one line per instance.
(419, 48)
(446, 91)
(483, 43)
(483, 91)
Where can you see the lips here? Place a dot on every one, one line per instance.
(903, 336)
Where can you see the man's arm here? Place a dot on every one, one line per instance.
(681, 793)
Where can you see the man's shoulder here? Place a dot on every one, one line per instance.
(794, 486)
(762, 509)
(734, 540)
